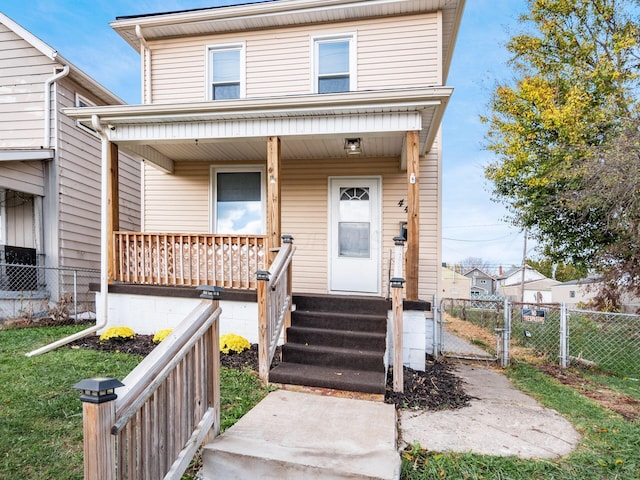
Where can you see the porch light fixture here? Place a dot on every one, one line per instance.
(353, 146)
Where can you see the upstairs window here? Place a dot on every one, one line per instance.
(226, 72)
(334, 64)
(83, 102)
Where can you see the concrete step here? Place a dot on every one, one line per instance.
(294, 435)
(328, 377)
(356, 340)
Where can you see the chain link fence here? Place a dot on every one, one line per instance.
(30, 293)
(543, 333)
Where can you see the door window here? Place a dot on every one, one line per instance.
(354, 226)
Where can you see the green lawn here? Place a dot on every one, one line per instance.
(41, 414)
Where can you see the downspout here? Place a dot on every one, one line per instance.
(47, 103)
(104, 238)
(145, 55)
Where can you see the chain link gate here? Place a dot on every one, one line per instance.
(470, 329)
(550, 333)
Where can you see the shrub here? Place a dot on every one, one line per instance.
(231, 342)
(161, 335)
(117, 333)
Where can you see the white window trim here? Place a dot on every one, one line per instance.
(81, 98)
(243, 68)
(213, 194)
(353, 58)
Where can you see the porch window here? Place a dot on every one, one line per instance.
(226, 72)
(238, 201)
(334, 64)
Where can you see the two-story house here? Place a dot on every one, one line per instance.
(482, 283)
(50, 176)
(318, 119)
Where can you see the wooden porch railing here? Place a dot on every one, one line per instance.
(170, 407)
(274, 305)
(188, 259)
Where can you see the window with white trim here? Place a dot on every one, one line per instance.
(238, 201)
(82, 102)
(226, 72)
(334, 64)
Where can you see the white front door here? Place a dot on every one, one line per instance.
(354, 262)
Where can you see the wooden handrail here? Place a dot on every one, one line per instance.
(274, 306)
(169, 405)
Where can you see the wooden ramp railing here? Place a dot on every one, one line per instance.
(228, 261)
(274, 305)
(169, 405)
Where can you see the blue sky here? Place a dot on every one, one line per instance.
(473, 225)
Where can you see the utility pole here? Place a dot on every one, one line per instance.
(524, 259)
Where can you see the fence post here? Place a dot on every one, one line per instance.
(506, 333)
(98, 416)
(263, 319)
(564, 358)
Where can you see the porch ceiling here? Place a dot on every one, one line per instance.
(310, 126)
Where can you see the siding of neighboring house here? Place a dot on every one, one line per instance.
(180, 203)
(23, 176)
(79, 173)
(22, 76)
(454, 284)
(279, 62)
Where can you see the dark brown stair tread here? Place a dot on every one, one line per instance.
(328, 377)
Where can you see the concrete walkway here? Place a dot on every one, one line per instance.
(296, 435)
(502, 421)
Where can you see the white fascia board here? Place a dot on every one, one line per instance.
(176, 131)
(295, 105)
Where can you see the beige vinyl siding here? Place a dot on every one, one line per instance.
(79, 186)
(278, 61)
(23, 176)
(23, 71)
(430, 228)
(177, 203)
(180, 203)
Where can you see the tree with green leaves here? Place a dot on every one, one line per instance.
(556, 128)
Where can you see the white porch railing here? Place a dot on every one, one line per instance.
(274, 305)
(171, 405)
(228, 261)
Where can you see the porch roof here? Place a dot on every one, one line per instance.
(311, 126)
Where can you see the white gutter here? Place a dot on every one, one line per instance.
(104, 237)
(47, 104)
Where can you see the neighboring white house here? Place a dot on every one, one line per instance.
(575, 292)
(533, 286)
(50, 175)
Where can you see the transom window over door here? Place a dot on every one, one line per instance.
(226, 72)
(238, 201)
(334, 64)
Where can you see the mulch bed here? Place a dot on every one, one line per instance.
(437, 388)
